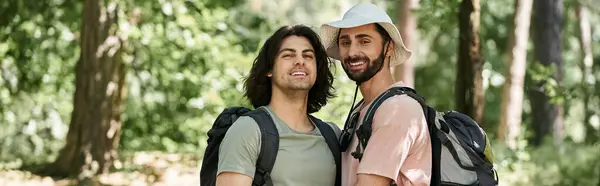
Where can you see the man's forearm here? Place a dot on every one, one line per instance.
(372, 180)
(233, 179)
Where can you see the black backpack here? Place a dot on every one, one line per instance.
(268, 147)
(462, 153)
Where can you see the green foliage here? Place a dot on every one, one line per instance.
(188, 66)
(435, 54)
(187, 60)
(38, 50)
(571, 164)
(545, 75)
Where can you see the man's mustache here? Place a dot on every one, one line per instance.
(356, 59)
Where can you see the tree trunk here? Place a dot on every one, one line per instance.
(546, 116)
(407, 23)
(587, 79)
(596, 72)
(94, 131)
(512, 100)
(469, 80)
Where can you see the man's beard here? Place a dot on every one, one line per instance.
(294, 89)
(369, 72)
(300, 86)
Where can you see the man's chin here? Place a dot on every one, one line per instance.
(300, 87)
(355, 76)
(354, 73)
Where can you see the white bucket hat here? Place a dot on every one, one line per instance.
(362, 14)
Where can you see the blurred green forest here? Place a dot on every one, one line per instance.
(185, 61)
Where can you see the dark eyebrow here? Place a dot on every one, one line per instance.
(308, 50)
(363, 36)
(287, 49)
(345, 37)
(357, 36)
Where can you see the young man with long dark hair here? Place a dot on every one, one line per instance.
(290, 79)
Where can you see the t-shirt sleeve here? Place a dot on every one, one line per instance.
(240, 148)
(397, 126)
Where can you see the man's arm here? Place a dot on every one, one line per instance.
(238, 153)
(372, 180)
(233, 179)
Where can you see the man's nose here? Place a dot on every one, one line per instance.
(353, 50)
(299, 60)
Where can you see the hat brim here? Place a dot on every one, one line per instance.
(329, 32)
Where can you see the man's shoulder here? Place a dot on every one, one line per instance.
(336, 129)
(400, 102)
(243, 125)
(403, 101)
(398, 108)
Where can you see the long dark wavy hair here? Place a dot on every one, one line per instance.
(258, 86)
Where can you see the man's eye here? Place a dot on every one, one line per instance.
(345, 43)
(365, 42)
(309, 56)
(287, 55)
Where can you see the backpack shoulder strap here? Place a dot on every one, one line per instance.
(436, 148)
(332, 142)
(413, 94)
(364, 131)
(268, 147)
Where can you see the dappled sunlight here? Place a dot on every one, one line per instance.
(140, 169)
(185, 61)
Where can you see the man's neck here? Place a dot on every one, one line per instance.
(376, 85)
(291, 107)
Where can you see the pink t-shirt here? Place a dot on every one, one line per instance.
(399, 147)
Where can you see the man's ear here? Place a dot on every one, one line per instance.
(390, 48)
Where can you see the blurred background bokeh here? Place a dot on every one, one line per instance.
(152, 75)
